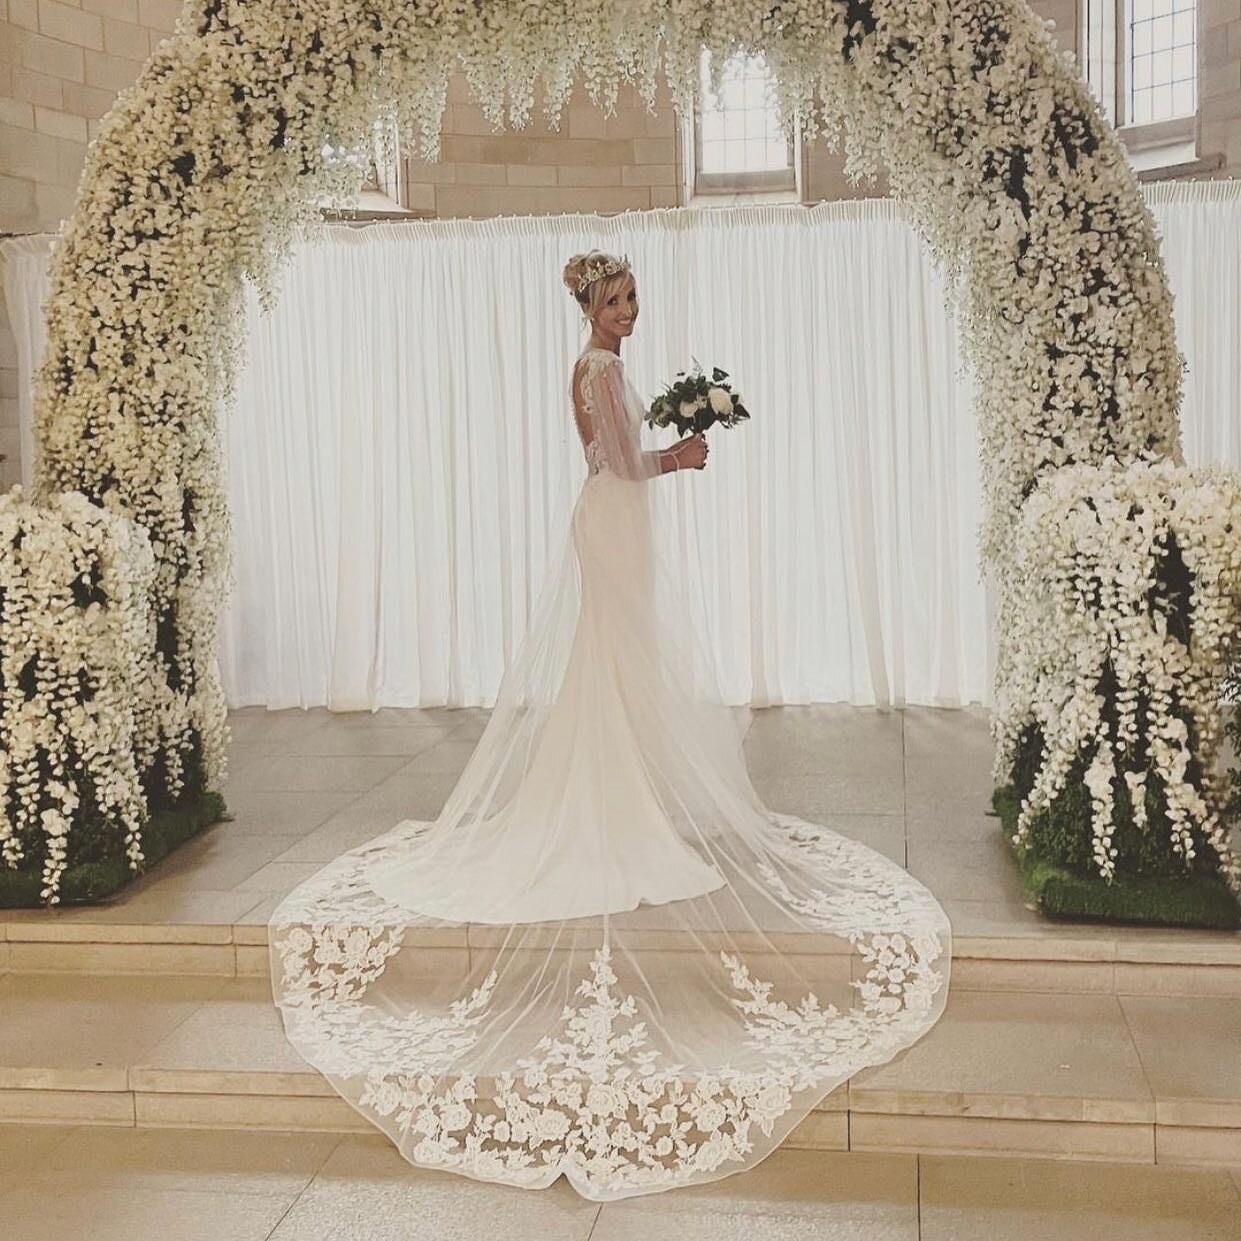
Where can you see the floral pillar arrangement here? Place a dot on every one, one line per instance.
(1125, 600)
(80, 712)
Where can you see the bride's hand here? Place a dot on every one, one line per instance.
(692, 452)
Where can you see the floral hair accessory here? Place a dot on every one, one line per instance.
(596, 269)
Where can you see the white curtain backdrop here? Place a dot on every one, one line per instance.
(401, 450)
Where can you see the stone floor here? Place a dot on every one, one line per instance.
(99, 1184)
(304, 785)
(1144, 1079)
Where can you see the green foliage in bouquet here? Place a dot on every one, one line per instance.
(692, 402)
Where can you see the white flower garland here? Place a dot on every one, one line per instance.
(211, 162)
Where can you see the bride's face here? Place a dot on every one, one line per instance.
(618, 312)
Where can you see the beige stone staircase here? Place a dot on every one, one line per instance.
(1111, 1044)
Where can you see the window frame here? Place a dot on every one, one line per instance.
(758, 180)
(1112, 18)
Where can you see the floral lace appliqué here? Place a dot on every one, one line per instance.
(595, 460)
(596, 1099)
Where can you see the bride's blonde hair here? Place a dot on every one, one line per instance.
(597, 291)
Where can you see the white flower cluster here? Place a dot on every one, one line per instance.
(1102, 556)
(716, 399)
(207, 167)
(685, 402)
(77, 646)
(601, 1100)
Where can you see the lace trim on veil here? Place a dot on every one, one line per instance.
(595, 1097)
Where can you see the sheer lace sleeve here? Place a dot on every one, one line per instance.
(608, 426)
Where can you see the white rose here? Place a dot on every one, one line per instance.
(455, 1116)
(688, 408)
(710, 1116)
(388, 1098)
(552, 1124)
(356, 946)
(721, 401)
(603, 1100)
(772, 1101)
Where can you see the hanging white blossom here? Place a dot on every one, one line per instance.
(77, 648)
(1087, 554)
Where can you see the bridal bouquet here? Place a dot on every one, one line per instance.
(692, 403)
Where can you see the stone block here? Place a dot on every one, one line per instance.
(650, 174)
(51, 56)
(588, 175)
(531, 174)
(112, 73)
(16, 112)
(654, 151)
(87, 101)
(480, 174)
(37, 88)
(24, 14)
(160, 14)
(115, 10)
(17, 209)
(60, 124)
(126, 39)
(24, 157)
(55, 204)
(70, 25)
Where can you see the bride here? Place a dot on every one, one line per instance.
(606, 958)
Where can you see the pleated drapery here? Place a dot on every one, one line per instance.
(402, 447)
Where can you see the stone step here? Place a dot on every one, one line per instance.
(1130, 1079)
(1063, 958)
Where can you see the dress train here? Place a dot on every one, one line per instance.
(606, 958)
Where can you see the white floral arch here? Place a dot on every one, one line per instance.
(207, 166)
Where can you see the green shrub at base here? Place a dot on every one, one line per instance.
(90, 881)
(1152, 884)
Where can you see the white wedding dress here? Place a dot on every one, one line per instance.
(606, 958)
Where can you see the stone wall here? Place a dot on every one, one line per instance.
(1219, 97)
(627, 161)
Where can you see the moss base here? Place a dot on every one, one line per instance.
(1203, 901)
(89, 882)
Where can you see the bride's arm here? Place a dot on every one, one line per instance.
(599, 402)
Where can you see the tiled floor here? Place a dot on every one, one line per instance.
(303, 786)
(184, 1185)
